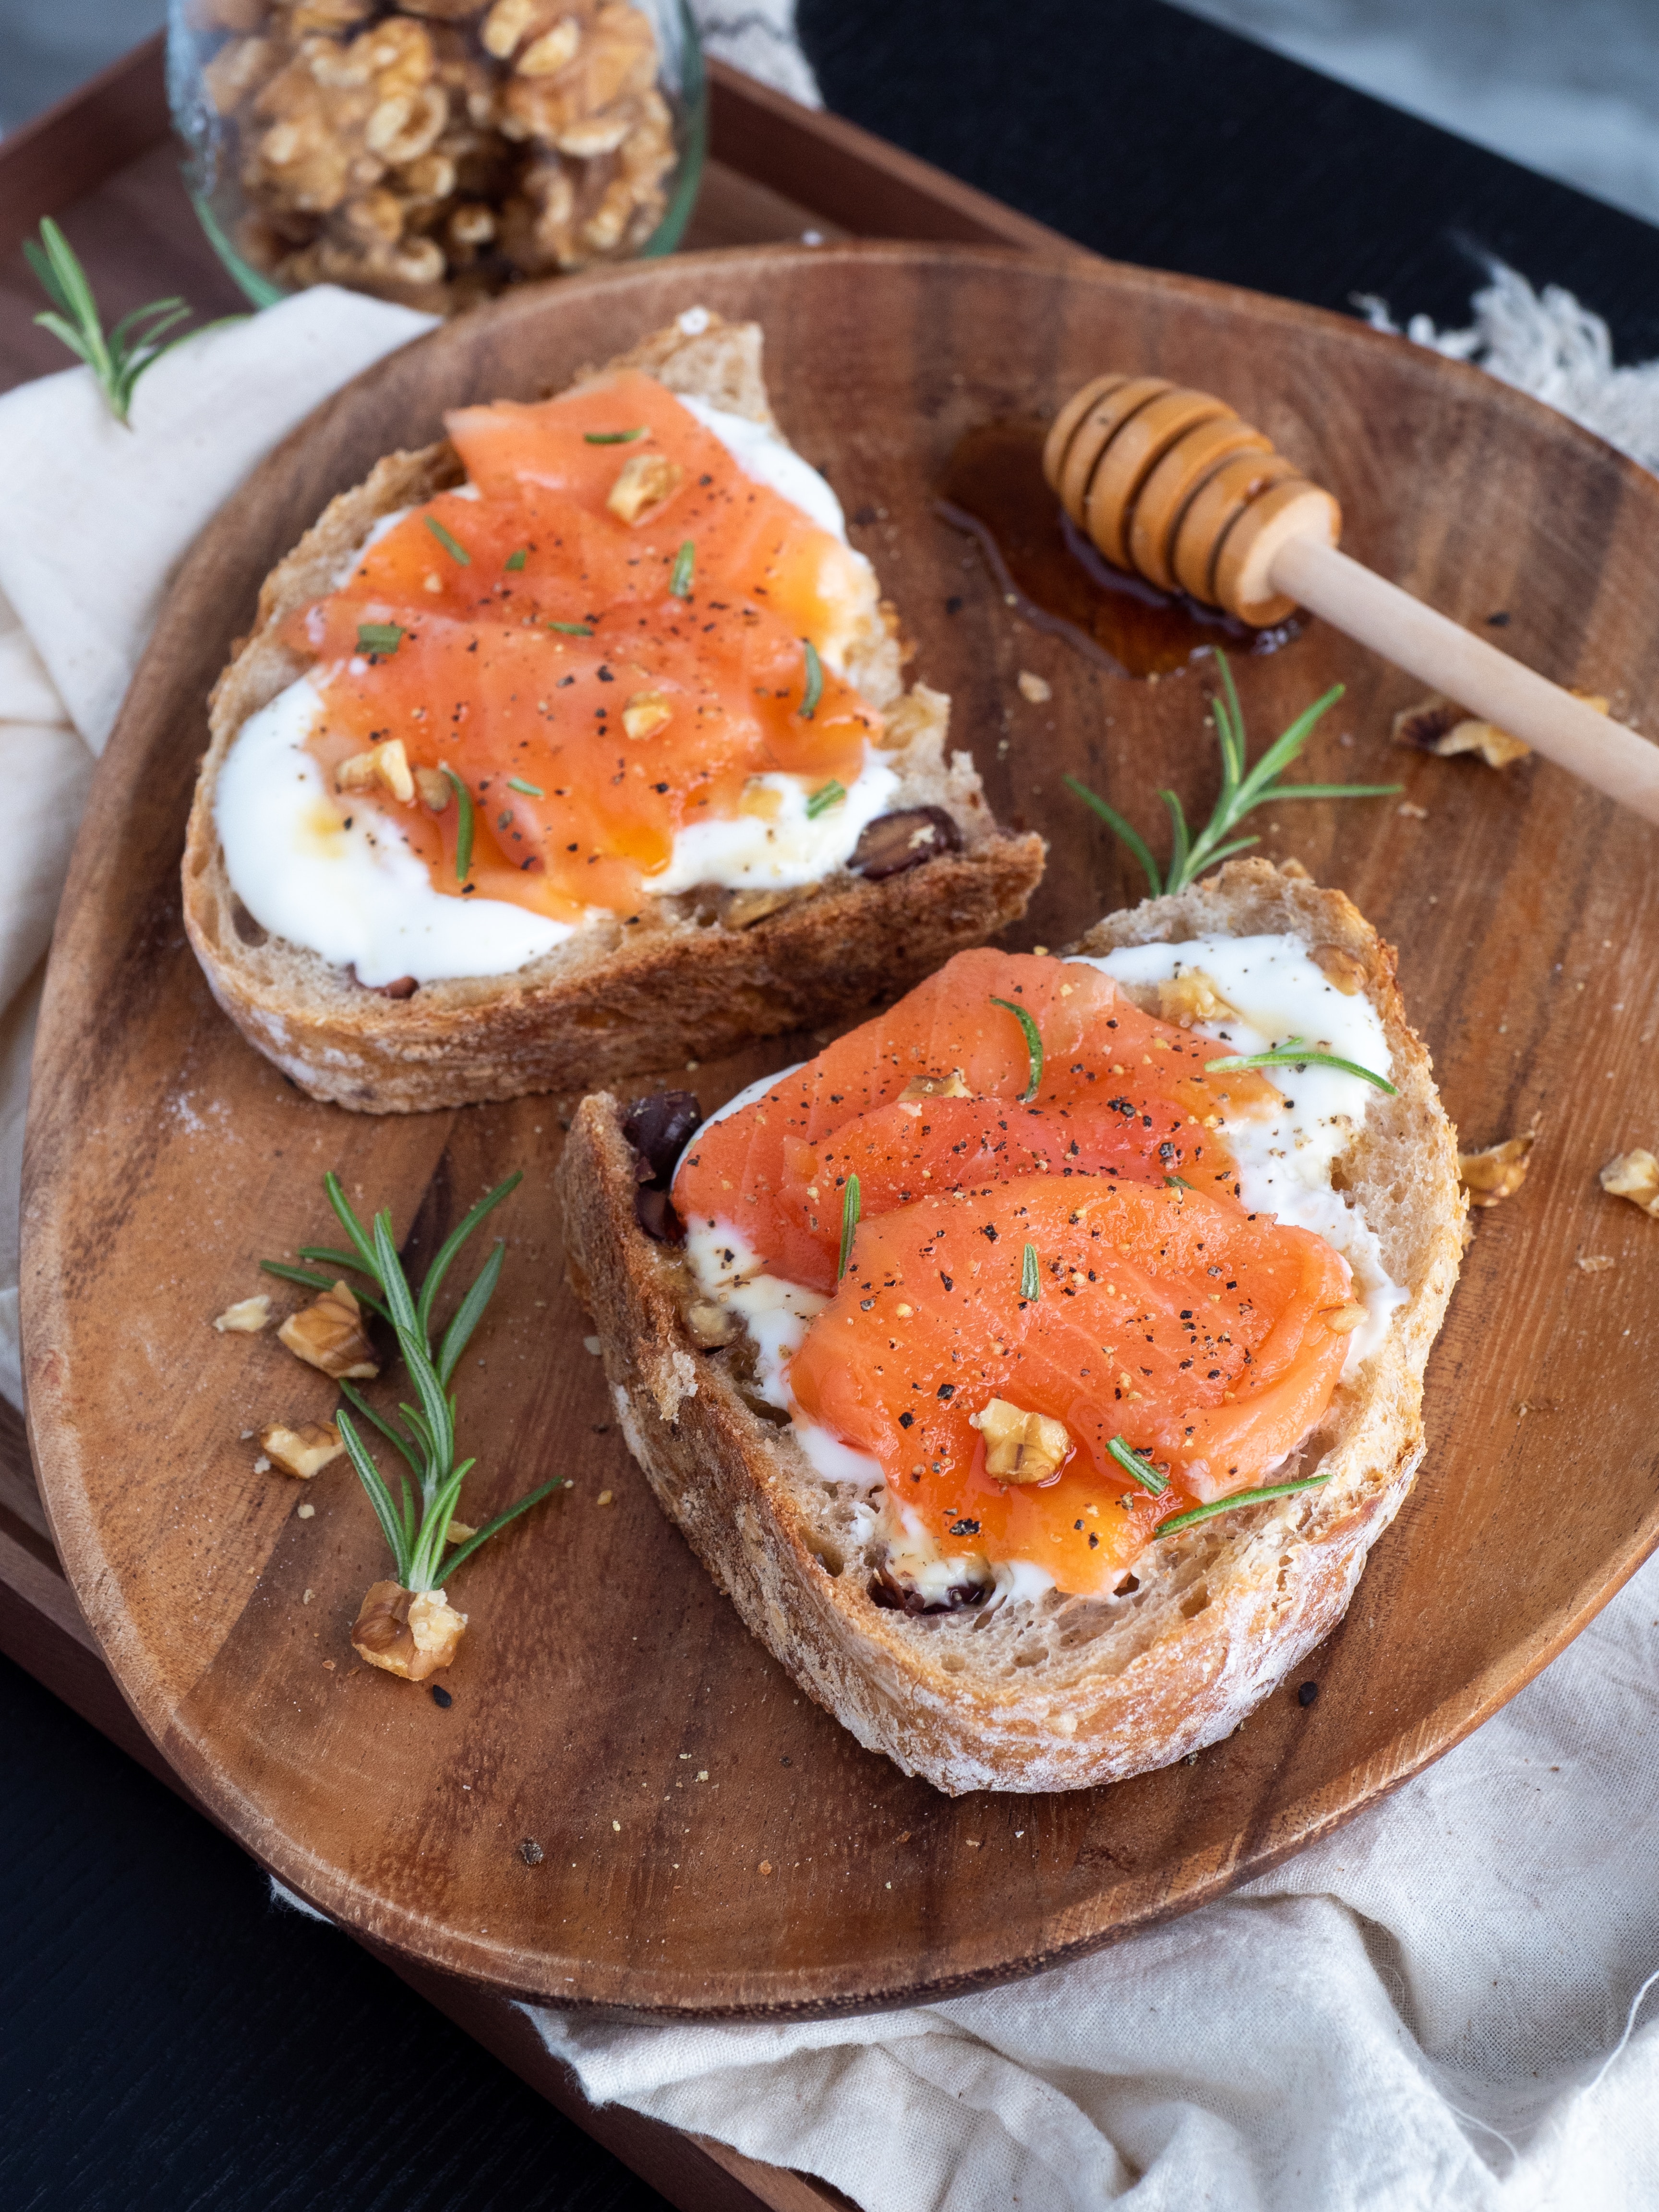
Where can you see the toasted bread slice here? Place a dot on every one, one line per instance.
(1056, 1692)
(703, 973)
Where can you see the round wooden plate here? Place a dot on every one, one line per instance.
(607, 1707)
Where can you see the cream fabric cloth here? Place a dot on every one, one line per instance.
(1420, 2014)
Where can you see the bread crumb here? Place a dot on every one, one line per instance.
(262, 1465)
(1412, 813)
(1034, 688)
(591, 1344)
(247, 1318)
(617, 1826)
(604, 1498)
(766, 1866)
(702, 1774)
(307, 1599)
(1596, 1263)
(305, 1512)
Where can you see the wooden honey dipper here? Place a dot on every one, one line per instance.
(1169, 483)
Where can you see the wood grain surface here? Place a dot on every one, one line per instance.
(603, 1677)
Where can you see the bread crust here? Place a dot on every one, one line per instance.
(692, 981)
(1224, 1611)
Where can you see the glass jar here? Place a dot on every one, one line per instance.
(435, 151)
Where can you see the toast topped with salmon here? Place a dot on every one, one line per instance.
(1032, 1369)
(576, 743)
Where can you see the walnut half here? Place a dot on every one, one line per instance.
(1496, 1173)
(329, 1335)
(1020, 1447)
(408, 1632)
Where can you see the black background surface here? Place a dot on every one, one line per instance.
(174, 2040)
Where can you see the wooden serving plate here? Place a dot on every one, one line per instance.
(603, 1677)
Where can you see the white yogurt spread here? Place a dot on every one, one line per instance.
(361, 898)
(1285, 1159)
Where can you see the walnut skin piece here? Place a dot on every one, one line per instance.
(1634, 1176)
(246, 1319)
(386, 765)
(408, 1632)
(329, 1335)
(1343, 1320)
(1496, 1173)
(1020, 1447)
(301, 1452)
(645, 484)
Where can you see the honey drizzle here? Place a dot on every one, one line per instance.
(993, 488)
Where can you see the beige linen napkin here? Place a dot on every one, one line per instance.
(98, 518)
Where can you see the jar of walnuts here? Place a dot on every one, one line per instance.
(435, 151)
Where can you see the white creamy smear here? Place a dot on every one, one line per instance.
(363, 899)
(1285, 1159)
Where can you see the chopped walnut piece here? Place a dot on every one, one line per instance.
(329, 1335)
(1034, 688)
(408, 1632)
(1496, 1173)
(1020, 1447)
(246, 1319)
(1437, 724)
(646, 713)
(1342, 1321)
(709, 1324)
(302, 1452)
(1344, 971)
(761, 798)
(1634, 1176)
(386, 765)
(548, 55)
(1192, 997)
(935, 1086)
(459, 1532)
(434, 789)
(645, 484)
(1596, 1263)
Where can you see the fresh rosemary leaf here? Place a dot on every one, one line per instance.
(1030, 1280)
(455, 551)
(516, 562)
(452, 1244)
(530, 790)
(464, 825)
(381, 638)
(493, 1528)
(1293, 1055)
(1177, 1182)
(1139, 1469)
(814, 691)
(1239, 1498)
(849, 1221)
(571, 629)
(1033, 1047)
(313, 1281)
(135, 344)
(1121, 830)
(826, 796)
(614, 437)
(685, 567)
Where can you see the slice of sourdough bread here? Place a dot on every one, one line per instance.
(702, 972)
(1059, 1691)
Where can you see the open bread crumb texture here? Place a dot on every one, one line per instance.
(1061, 1690)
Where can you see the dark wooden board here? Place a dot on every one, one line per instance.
(603, 1672)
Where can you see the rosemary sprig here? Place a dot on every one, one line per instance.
(570, 629)
(530, 790)
(452, 546)
(136, 343)
(814, 691)
(381, 639)
(514, 562)
(1291, 1054)
(1242, 790)
(1136, 1468)
(1033, 1047)
(1239, 1498)
(1030, 1279)
(1177, 1182)
(684, 570)
(464, 825)
(416, 1526)
(826, 796)
(613, 437)
(850, 1207)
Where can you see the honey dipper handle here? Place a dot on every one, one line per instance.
(1453, 660)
